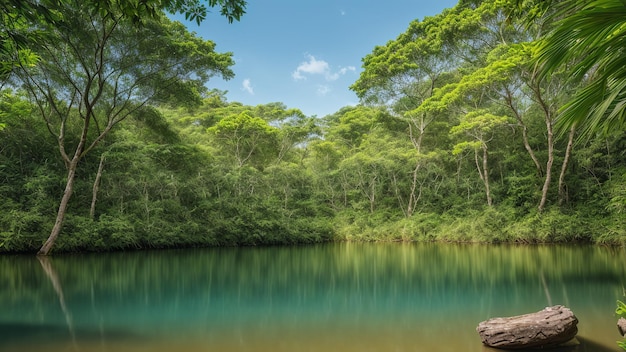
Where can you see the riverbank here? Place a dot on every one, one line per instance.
(488, 225)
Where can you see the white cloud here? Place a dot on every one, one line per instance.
(319, 67)
(322, 90)
(312, 67)
(247, 86)
(345, 70)
(342, 71)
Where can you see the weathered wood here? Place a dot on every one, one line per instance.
(621, 325)
(546, 328)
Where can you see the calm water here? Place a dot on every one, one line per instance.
(340, 297)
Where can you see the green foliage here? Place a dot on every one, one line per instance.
(249, 139)
(621, 312)
(24, 21)
(454, 94)
(585, 42)
(101, 63)
(16, 34)
(621, 309)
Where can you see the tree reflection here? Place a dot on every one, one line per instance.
(46, 265)
(404, 292)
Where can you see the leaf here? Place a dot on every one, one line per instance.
(588, 43)
(621, 309)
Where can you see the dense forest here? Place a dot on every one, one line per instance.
(465, 132)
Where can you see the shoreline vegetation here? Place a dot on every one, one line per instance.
(459, 136)
(482, 227)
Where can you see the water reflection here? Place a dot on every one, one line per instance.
(348, 297)
(48, 269)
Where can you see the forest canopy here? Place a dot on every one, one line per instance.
(465, 132)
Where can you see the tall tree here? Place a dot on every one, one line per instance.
(249, 139)
(402, 75)
(98, 68)
(479, 126)
(18, 33)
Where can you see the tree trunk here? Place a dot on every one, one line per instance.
(96, 187)
(547, 328)
(563, 197)
(58, 224)
(484, 173)
(396, 191)
(372, 194)
(410, 208)
(548, 179)
(486, 176)
(509, 99)
(417, 144)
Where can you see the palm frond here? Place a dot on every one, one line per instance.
(589, 43)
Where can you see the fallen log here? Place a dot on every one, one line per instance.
(547, 328)
(621, 326)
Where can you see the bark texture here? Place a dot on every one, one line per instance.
(547, 328)
(621, 325)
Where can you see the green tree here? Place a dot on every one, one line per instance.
(249, 139)
(323, 160)
(496, 67)
(406, 73)
(100, 68)
(479, 126)
(21, 20)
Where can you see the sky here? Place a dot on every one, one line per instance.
(306, 53)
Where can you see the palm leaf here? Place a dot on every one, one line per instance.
(589, 42)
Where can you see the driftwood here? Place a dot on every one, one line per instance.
(621, 325)
(547, 328)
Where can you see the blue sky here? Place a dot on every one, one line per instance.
(307, 53)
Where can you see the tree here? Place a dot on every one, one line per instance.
(249, 139)
(18, 34)
(494, 65)
(292, 126)
(97, 69)
(479, 125)
(402, 75)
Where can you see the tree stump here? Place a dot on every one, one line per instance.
(547, 328)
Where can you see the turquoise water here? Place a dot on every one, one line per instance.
(337, 297)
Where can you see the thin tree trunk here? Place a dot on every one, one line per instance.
(396, 191)
(372, 196)
(520, 122)
(417, 144)
(58, 224)
(548, 179)
(484, 173)
(548, 115)
(96, 187)
(412, 198)
(563, 197)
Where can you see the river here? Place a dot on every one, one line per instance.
(332, 297)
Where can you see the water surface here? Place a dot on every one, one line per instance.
(337, 297)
